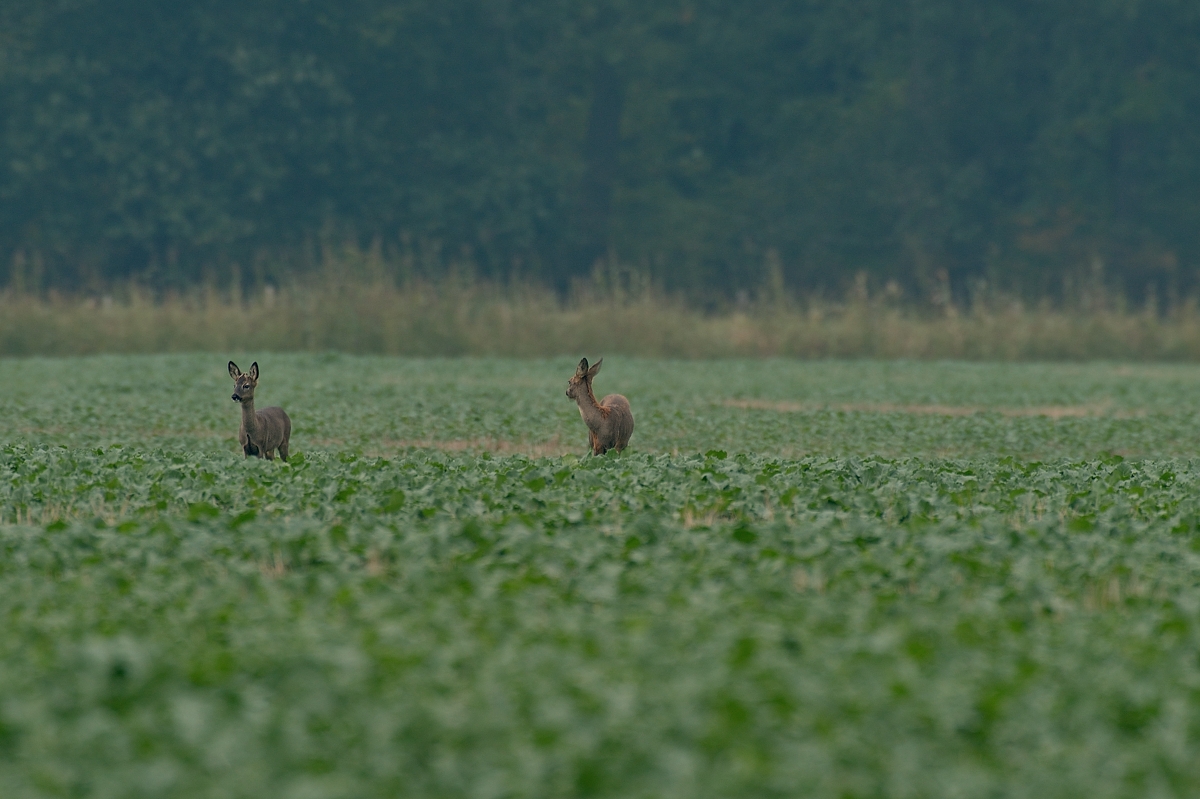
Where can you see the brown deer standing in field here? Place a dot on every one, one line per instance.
(264, 431)
(609, 421)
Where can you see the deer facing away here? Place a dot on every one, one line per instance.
(609, 421)
(264, 431)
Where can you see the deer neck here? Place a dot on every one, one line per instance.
(249, 420)
(589, 409)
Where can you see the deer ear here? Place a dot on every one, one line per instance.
(581, 370)
(595, 368)
(254, 371)
(234, 371)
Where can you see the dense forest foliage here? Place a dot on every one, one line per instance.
(714, 145)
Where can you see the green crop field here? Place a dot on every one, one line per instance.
(827, 579)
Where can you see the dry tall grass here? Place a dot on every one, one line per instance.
(479, 319)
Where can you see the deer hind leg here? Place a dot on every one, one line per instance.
(269, 454)
(249, 449)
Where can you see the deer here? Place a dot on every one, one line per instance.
(609, 421)
(262, 432)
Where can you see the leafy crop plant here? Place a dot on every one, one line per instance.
(1008, 610)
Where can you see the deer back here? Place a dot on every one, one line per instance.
(618, 422)
(274, 427)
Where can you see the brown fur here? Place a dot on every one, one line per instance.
(264, 431)
(609, 421)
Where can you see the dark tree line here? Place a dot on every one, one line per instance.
(1020, 144)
